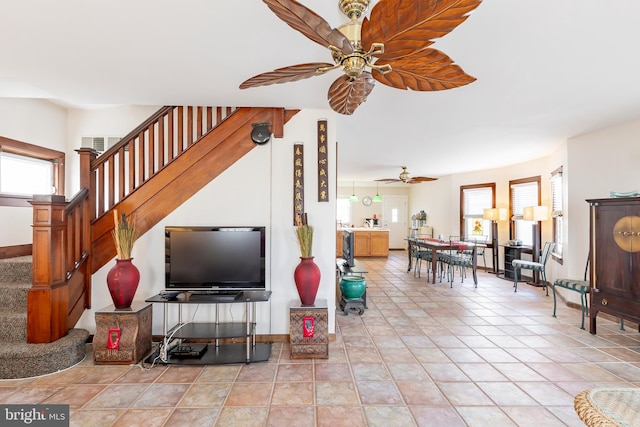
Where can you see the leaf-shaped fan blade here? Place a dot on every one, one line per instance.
(427, 70)
(310, 24)
(407, 26)
(285, 74)
(419, 179)
(346, 95)
(388, 180)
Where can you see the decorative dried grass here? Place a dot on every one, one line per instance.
(304, 232)
(124, 234)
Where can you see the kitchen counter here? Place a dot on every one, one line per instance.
(368, 241)
(364, 229)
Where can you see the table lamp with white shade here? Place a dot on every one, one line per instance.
(495, 215)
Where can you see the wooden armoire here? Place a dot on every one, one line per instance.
(615, 258)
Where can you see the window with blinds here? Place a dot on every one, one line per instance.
(475, 199)
(557, 212)
(524, 193)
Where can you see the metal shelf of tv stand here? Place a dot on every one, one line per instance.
(217, 353)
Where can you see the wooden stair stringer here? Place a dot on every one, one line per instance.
(185, 176)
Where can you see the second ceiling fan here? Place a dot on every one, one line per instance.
(406, 177)
(393, 42)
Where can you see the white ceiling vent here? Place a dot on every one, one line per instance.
(100, 143)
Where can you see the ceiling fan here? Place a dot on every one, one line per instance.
(406, 177)
(391, 46)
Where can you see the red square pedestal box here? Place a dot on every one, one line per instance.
(308, 331)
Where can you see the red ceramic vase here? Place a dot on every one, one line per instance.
(122, 281)
(307, 278)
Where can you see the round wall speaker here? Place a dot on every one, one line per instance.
(260, 133)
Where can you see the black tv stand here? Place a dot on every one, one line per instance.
(179, 344)
(213, 296)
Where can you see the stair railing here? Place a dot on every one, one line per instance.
(61, 282)
(146, 150)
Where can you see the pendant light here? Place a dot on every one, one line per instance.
(377, 197)
(353, 197)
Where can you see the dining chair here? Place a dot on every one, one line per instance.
(418, 256)
(583, 287)
(482, 242)
(540, 267)
(455, 257)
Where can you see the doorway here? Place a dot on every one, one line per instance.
(396, 219)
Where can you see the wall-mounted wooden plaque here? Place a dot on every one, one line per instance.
(298, 182)
(323, 162)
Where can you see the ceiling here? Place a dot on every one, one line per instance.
(546, 70)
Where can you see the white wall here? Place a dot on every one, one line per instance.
(36, 122)
(358, 210)
(110, 121)
(597, 163)
(441, 199)
(257, 190)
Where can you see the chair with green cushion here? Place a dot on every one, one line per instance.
(539, 267)
(455, 256)
(418, 255)
(583, 287)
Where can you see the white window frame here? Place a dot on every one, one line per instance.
(30, 152)
(523, 193)
(474, 200)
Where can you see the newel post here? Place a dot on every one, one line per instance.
(47, 298)
(87, 177)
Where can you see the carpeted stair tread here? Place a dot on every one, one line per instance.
(22, 360)
(16, 270)
(13, 326)
(14, 297)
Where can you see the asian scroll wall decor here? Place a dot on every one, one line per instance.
(298, 182)
(298, 171)
(323, 162)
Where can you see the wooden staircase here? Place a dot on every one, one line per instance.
(148, 174)
(18, 359)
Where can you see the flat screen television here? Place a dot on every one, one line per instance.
(214, 258)
(348, 246)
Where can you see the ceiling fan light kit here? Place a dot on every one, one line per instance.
(394, 42)
(406, 178)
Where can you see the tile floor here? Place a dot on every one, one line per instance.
(421, 355)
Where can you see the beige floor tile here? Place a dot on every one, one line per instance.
(420, 355)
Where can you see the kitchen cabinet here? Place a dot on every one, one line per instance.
(371, 243)
(379, 243)
(339, 244)
(614, 258)
(362, 241)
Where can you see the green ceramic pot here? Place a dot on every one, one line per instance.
(352, 287)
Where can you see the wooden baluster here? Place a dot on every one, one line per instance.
(189, 126)
(170, 150)
(199, 123)
(151, 153)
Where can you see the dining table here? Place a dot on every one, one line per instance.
(436, 245)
